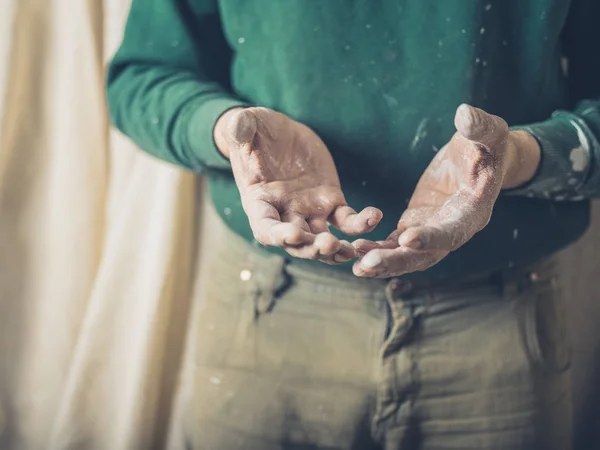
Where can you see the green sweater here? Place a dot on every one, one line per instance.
(379, 81)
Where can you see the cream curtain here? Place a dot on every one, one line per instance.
(100, 265)
(97, 244)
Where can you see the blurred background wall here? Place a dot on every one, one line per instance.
(102, 247)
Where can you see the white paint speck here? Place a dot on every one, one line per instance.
(227, 211)
(482, 30)
(215, 380)
(364, 183)
(420, 134)
(578, 159)
(448, 19)
(515, 234)
(435, 149)
(391, 101)
(154, 121)
(534, 277)
(245, 275)
(484, 63)
(488, 6)
(368, 25)
(463, 31)
(241, 40)
(477, 60)
(347, 47)
(580, 156)
(573, 181)
(560, 198)
(530, 195)
(440, 43)
(175, 43)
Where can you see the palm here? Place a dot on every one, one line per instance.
(290, 188)
(289, 167)
(460, 184)
(452, 201)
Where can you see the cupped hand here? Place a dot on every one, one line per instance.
(289, 185)
(455, 196)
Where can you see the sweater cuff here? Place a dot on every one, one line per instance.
(566, 151)
(197, 124)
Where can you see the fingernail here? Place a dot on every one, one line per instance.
(371, 260)
(357, 271)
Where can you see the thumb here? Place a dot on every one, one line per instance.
(242, 127)
(480, 127)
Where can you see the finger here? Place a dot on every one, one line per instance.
(275, 233)
(453, 225)
(480, 127)
(318, 226)
(387, 263)
(267, 227)
(303, 252)
(348, 221)
(242, 135)
(325, 245)
(426, 238)
(242, 128)
(363, 246)
(296, 219)
(345, 253)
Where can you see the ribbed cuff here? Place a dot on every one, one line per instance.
(565, 142)
(198, 124)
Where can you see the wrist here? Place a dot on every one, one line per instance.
(524, 156)
(220, 130)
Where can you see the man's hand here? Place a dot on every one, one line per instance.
(289, 185)
(455, 195)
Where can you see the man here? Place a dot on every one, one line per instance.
(440, 327)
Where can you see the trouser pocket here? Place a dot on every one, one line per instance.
(544, 322)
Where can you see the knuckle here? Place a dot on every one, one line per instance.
(260, 239)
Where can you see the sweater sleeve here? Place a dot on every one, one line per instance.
(570, 140)
(169, 81)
